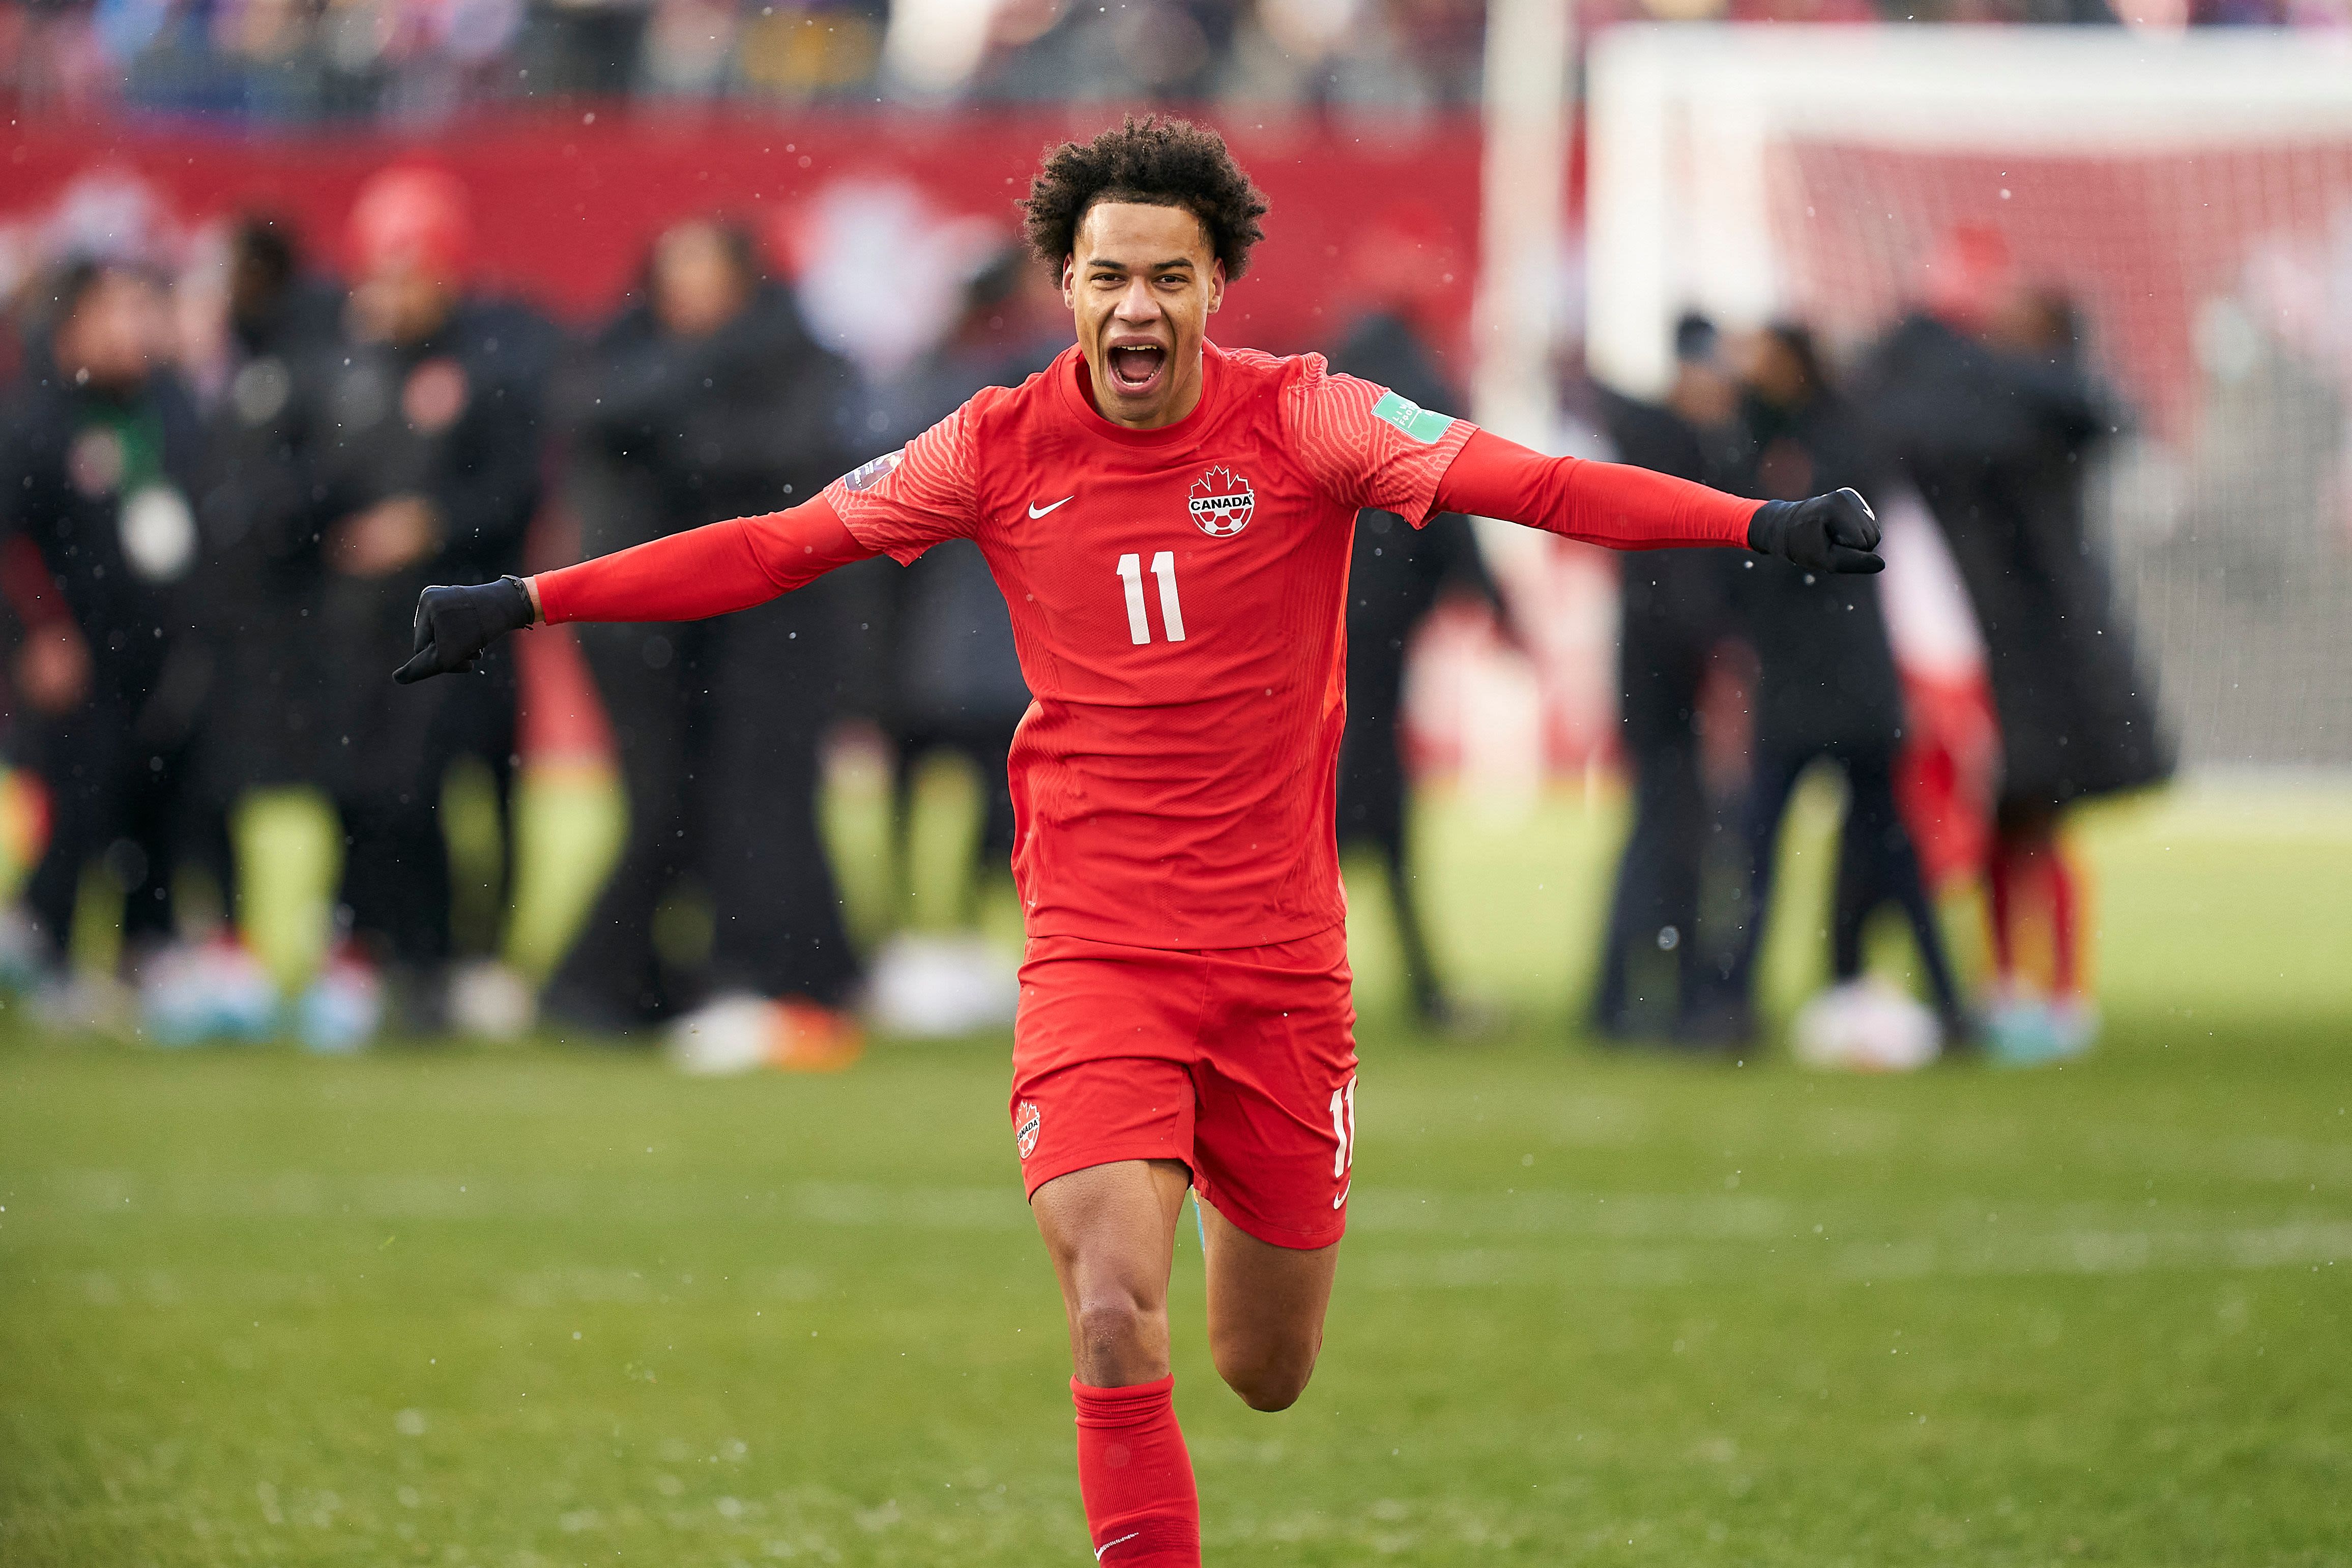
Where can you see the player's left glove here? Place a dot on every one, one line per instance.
(1826, 533)
(454, 625)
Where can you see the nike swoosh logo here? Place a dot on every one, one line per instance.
(1035, 510)
(1131, 1535)
(1343, 1194)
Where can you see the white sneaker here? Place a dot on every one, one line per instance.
(934, 986)
(490, 1001)
(1865, 1026)
(85, 1004)
(740, 1033)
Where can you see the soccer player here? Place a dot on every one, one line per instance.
(1169, 523)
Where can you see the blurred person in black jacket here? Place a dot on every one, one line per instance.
(1827, 691)
(1674, 613)
(1395, 578)
(247, 318)
(262, 573)
(103, 452)
(708, 398)
(260, 579)
(957, 683)
(1984, 398)
(427, 468)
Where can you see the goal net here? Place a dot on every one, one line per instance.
(2190, 194)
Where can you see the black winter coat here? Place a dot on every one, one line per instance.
(104, 486)
(1826, 677)
(1397, 572)
(1395, 577)
(745, 421)
(1995, 444)
(259, 584)
(1673, 606)
(455, 418)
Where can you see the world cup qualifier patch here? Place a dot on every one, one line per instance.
(1221, 502)
(1025, 1122)
(865, 476)
(1422, 424)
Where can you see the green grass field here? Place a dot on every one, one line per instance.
(554, 1305)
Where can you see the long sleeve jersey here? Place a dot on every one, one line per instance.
(1178, 597)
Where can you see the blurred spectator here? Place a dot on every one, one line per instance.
(1674, 613)
(707, 398)
(1989, 406)
(1395, 578)
(1826, 692)
(955, 685)
(427, 470)
(101, 455)
(261, 577)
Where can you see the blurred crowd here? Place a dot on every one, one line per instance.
(1972, 425)
(421, 60)
(223, 480)
(225, 475)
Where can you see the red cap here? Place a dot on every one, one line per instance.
(412, 215)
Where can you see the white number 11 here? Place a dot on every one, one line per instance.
(1171, 610)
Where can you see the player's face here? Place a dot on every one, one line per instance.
(1141, 282)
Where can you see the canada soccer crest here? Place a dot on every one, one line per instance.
(1025, 1122)
(1221, 502)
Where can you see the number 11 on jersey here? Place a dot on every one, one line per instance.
(1171, 610)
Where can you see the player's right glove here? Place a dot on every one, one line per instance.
(454, 625)
(1826, 533)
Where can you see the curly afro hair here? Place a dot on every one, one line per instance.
(1155, 161)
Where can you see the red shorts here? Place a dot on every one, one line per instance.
(1240, 1062)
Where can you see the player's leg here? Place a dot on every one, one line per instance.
(1274, 1154)
(1111, 1231)
(1266, 1311)
(1102, 1114)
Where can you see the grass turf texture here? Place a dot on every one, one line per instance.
(555, 1305)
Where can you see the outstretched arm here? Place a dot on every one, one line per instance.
(687, 576)
(1632, 508)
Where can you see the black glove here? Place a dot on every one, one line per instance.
(1827, 533)
(454, 625)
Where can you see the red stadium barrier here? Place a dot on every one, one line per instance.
(566, 201)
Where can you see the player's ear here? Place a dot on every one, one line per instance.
(1070, 280)
(1216, 284)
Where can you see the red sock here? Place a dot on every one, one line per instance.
(2065, 979)
(1135, 1477)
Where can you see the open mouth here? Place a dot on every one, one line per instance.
(1136, 366)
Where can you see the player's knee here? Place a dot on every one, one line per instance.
(1267, 1376)
(1114, 1329)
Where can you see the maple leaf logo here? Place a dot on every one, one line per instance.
(1221, 502)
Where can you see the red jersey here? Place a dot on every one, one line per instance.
(1178, 598)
